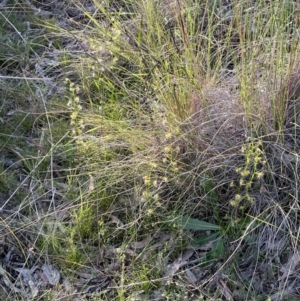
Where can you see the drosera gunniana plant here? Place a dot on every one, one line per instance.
(250, 174)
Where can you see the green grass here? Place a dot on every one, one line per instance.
(149, 150)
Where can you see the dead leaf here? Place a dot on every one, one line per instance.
(225, 290)
(190, 275)
(140, 244)
(127, 251)
(43, 277)
(33, 288)
(178, 263)
(290, 266)
(51, 273)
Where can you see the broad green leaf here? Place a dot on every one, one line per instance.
(205, 239)
(195, 224)
(216, 252)
(208, 187)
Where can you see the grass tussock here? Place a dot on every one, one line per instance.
(149, 150)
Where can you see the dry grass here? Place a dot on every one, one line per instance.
(156, 156)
